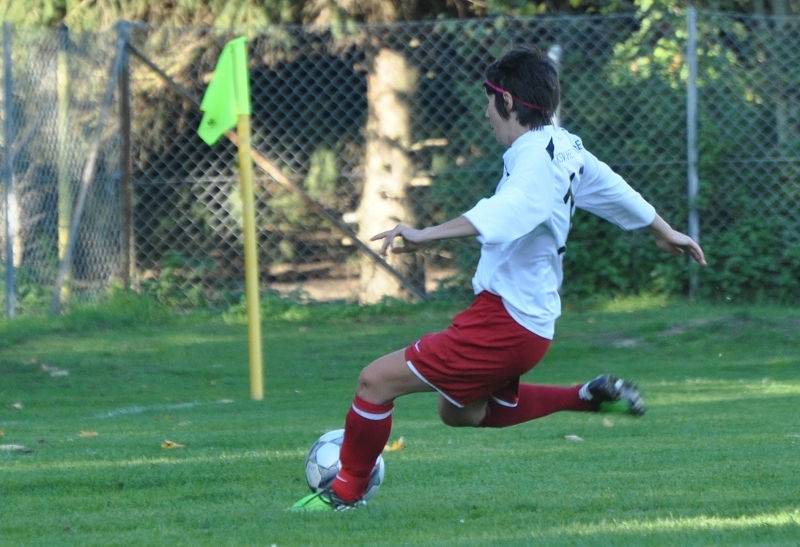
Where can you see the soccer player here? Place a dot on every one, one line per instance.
(476, 363)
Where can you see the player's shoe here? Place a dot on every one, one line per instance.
(324, 501)
(612, 394)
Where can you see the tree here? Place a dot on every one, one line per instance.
(94, 15)
(388, 171)
(82, 15)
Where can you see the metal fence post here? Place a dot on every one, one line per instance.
(127, 249)
(554, 53)
(8, 171)
(64, 175)
(88, 176)
(691, 141)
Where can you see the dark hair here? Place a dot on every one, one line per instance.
(529, 75)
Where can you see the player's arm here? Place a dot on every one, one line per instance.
(414, 239)
(602, 192)
(605, 193)
(675, 242)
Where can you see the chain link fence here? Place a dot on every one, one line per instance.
(364, 126)
(55, 85)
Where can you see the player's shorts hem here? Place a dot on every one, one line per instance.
(421, 377)
(502, 402)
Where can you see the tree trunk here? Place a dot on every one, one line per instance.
(388, 170)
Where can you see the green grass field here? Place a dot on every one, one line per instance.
(92, 397)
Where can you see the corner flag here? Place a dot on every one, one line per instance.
(228, 93)
(226, 105)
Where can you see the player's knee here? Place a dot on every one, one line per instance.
(451, 420)
(371, 385)
(459, 418)
(366, 382)
(458, 421)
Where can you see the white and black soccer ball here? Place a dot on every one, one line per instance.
(322, 464)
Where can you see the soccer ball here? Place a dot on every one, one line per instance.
(322, 464)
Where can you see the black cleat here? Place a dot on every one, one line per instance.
(612, 394)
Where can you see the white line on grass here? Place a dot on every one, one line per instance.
(133, 410)
(144, 461)
(703, 522)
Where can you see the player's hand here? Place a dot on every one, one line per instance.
(411, 237)
(674, 242)
(677, 243)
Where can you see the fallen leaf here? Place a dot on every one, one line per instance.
(2, 432)
(573, 438)
(86, 433)
(608, 423)
(171, 444)
(399, 444)
(18, 406)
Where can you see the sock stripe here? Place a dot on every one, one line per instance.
(372, 415)
(584, 393)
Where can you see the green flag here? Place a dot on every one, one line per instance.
(228, 93)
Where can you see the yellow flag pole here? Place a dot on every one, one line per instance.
(227, 103)
(250, 259)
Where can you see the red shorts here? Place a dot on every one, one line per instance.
(482, 354)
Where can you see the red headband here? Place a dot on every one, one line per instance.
(499, 89)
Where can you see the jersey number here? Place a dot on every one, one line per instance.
(569, 198)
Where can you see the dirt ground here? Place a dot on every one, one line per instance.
(346, 288)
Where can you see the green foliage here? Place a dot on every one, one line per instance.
(645, 73)
(320, 184)
(753, 260)
(323, 172)
(121, 308)
(175, 286)
(296, 308)
(32, 297)
(602, 260)
(750, 237)
(32, 13)
(102, 14)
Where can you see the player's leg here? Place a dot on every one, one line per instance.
(369, 421)
(533, 401)
(605, 393)
(470, 415)
(387, 378)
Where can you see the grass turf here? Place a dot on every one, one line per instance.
(714, 462)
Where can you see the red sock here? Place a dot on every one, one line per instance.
(535, 401)
(366, 431)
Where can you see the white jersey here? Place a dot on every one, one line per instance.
(523, 227)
